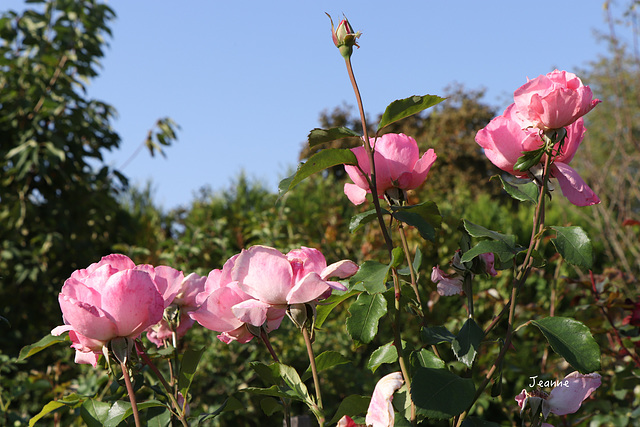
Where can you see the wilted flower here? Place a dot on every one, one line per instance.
(565, 398)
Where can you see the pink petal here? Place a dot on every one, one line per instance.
(354, 173)
(355, 194)
(264, 273)
(89, 320)
(399, 154)
(522, 399)
(420, 170)
(381, 413)
(215, 312)
(87, 358)
(132, 300)
(572, 185)
(447, 285)
(567, 400)
(251, 311)
(168, 281)
(341, 269)
(575, 134)
(310, 288)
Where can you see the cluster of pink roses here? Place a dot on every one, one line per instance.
(255, 287)
(116, 298)
(545, 104)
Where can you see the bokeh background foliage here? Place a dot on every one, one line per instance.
(62, 208)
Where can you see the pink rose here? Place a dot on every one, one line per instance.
(220, 308)
(553, 101)
(109, 299)
(448, 284)
(299, 277)
(566, 398)
(504, 141)
(398, 166)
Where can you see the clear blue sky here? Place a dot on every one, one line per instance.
(246, 80)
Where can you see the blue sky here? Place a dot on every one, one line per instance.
(247, 80)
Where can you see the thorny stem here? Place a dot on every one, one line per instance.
(132, 395)
(521, 277)
(314, 372)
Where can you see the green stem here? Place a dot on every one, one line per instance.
(170, 392)
(132, 395)
(405, 248)
(367, 146)
(521, 277)
(286, 406)
(314, 373)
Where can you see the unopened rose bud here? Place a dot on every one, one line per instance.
(344, 37)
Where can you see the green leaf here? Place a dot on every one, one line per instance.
(270, 406)
(426, 359)
(465, 345)
(351, 405)
(365, 312)
(117, 413)
(188, 367)
(574, 246)
(267, 373)
(46, 341)
(384, 354)
(292, 379)
(158, 417)
(320, 136)
(571, 340)
(70, 401)
(402, 108)
(141, 407)
(504, 252)
(323, 310)
(372, 275)
(358, 221)
(504, 245)
(274, 390)
(528, 160)
(441, 394)
(524, 190)
(324, 361)
(321, 160)
(94, 412)
(436, 335)
(425, 217)
(230, 404)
